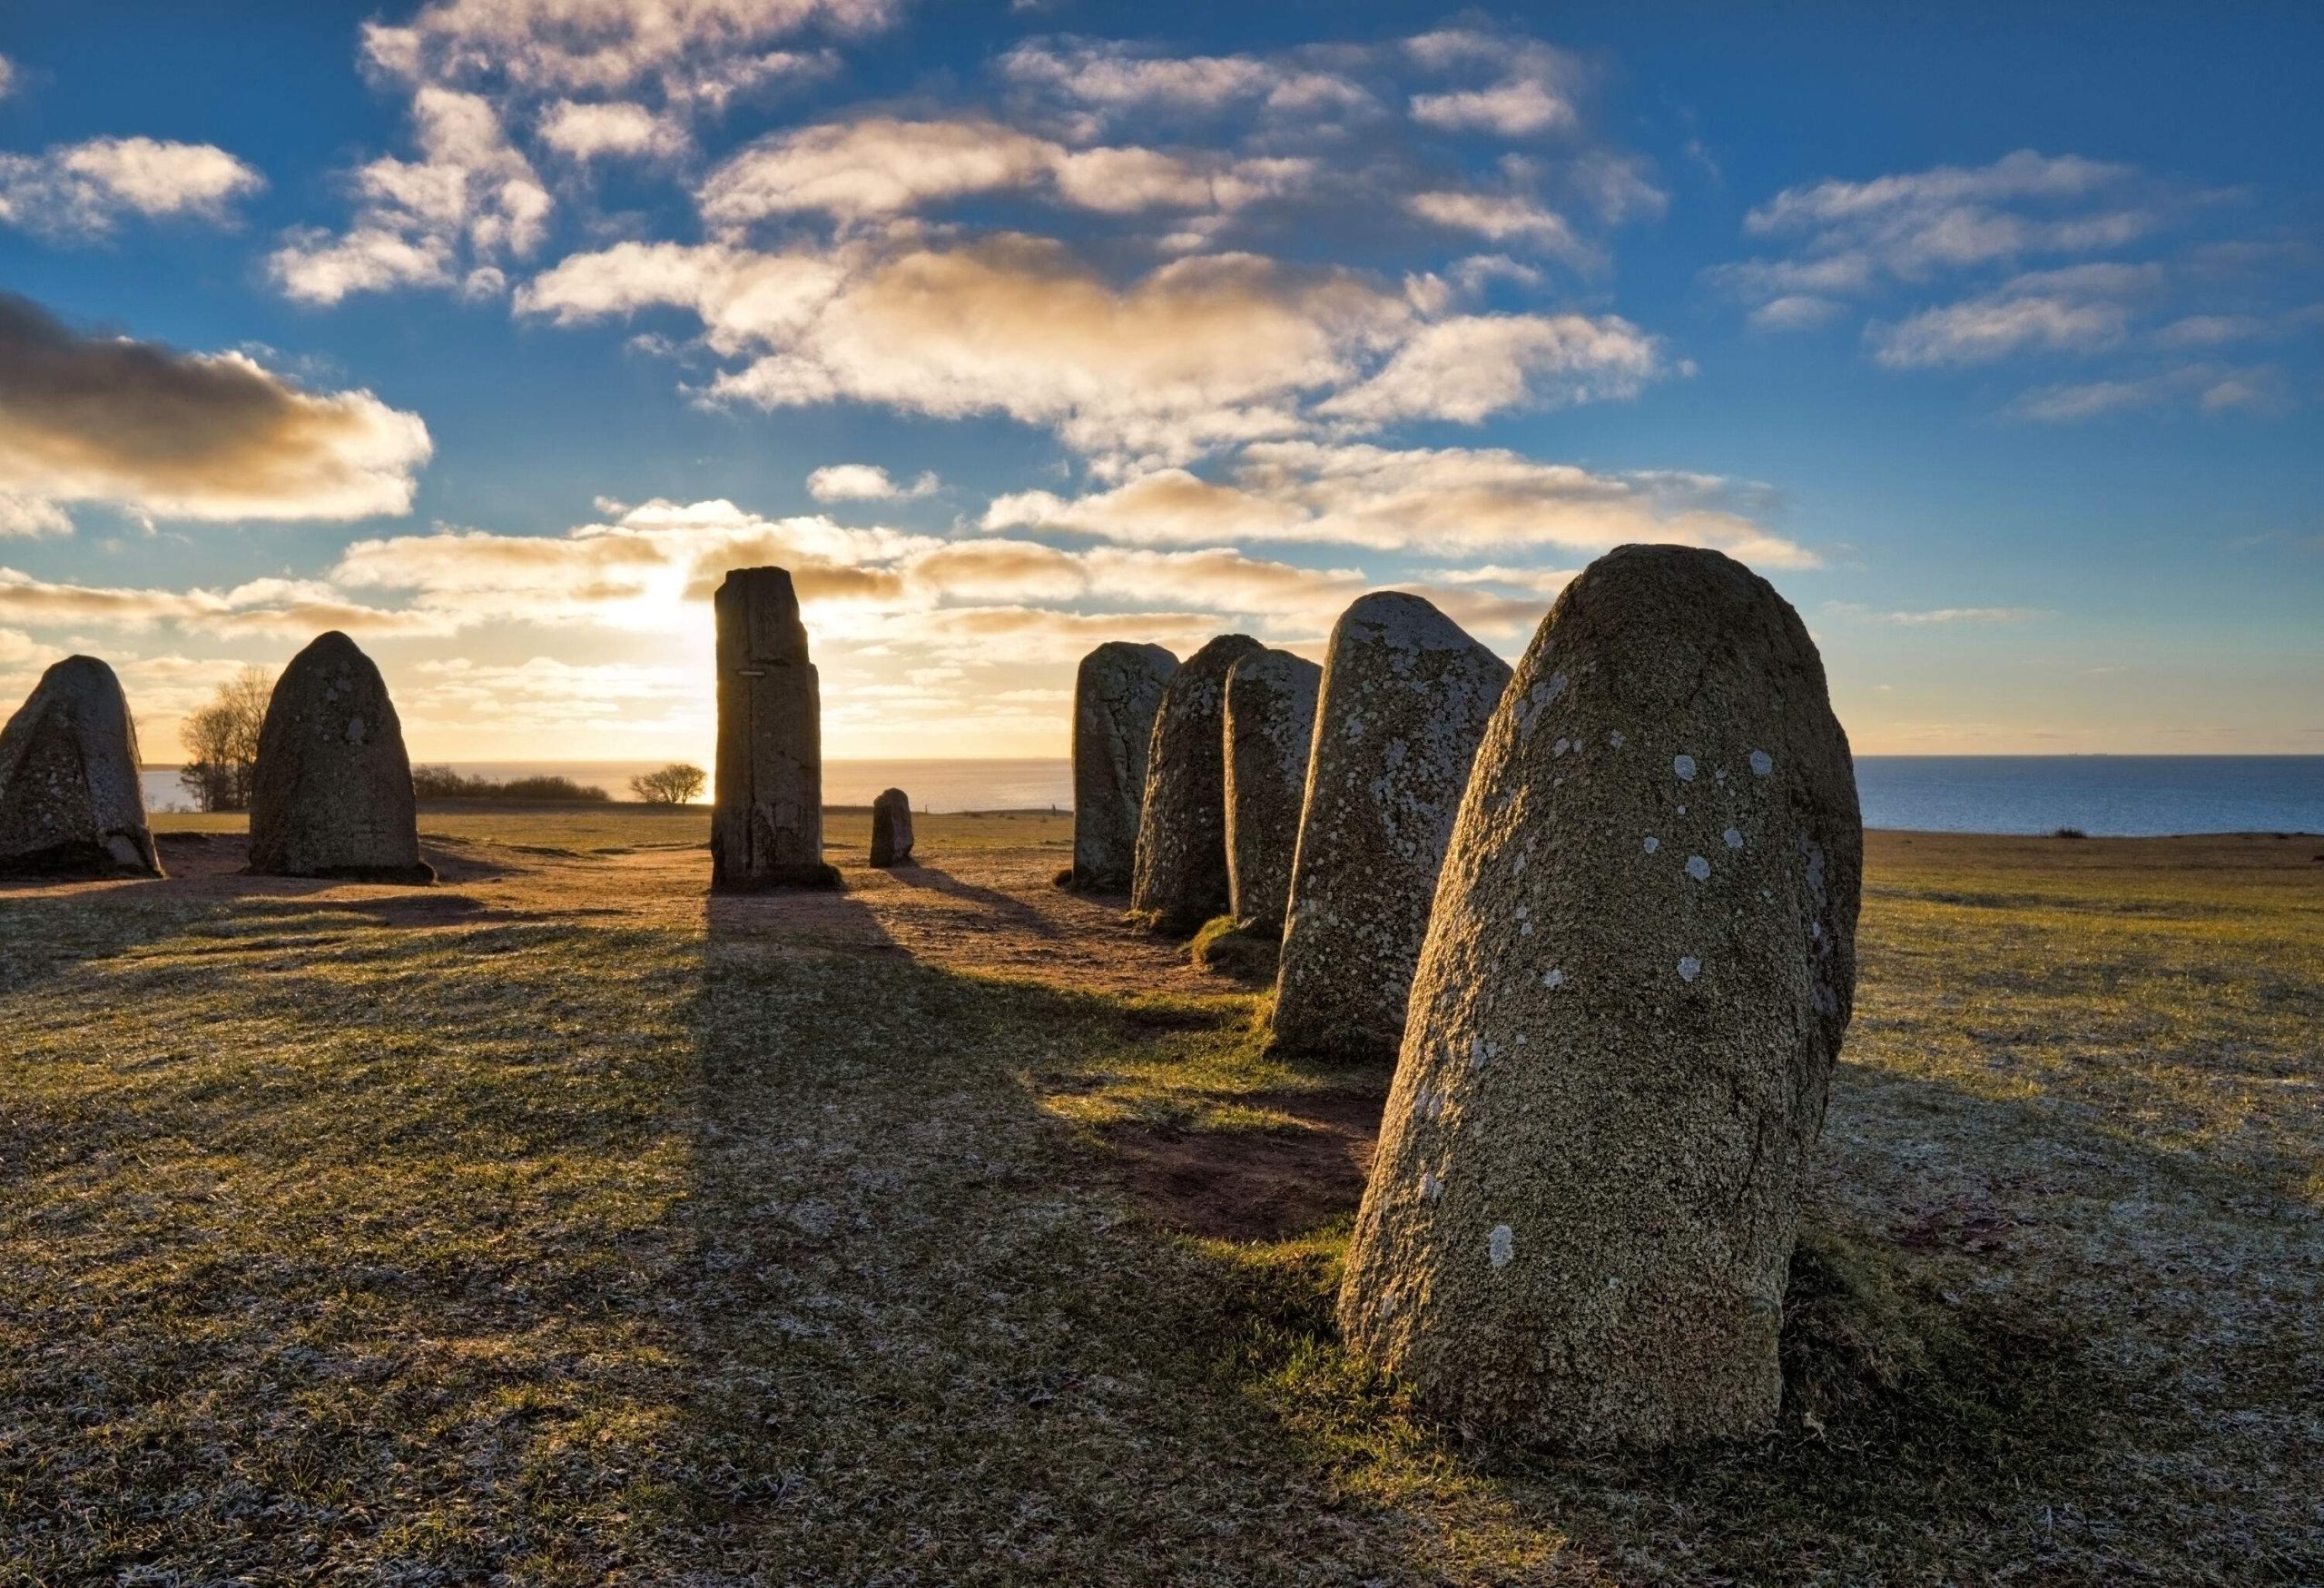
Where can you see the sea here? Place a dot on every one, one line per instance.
(2103, 796)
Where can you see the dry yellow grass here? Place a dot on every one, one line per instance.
(559, 1224)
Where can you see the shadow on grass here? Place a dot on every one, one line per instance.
(765, 1253)
(990, 901)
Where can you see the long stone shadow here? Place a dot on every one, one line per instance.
(903, 1328)
(929, 1344)
(992, 901)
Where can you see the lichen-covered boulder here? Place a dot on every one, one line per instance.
(1405, 697)
(1116, 694)
(71, 803)
(891, 828)
(766, 819)
(1581, 1214)
(332, 795)
(1178, 878)
(1270, 720)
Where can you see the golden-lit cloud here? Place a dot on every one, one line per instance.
(1446, 502)
(100, 419)
(1195, 353)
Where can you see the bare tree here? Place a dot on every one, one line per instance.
(675, 784)
(220, 740)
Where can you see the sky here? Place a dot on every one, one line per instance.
(493, 331)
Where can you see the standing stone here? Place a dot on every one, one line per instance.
(332, 794)
(71, 803)
(766, 827)
(1270, 722)
(1405, 697)
(1581, 1214)
(891, 828)
(1178, 880)
(1115, 696)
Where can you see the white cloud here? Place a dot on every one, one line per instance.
(2076, 310)
(864, 482)
(1795, 311)
(1110, 80)
(597, 130)
(103, 419)
(7, 77)
(2213, 389)
(1504, 217)
(877, 166)
(701, 51)
(30, 515)
(1531, 91)
(1853, 237)
(1469, 368)
(741, 297)
(1448, 502)
(86, 190)
(471, 202)
(1515, 110)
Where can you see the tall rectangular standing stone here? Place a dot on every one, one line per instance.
(1116, 694)
(767, 827)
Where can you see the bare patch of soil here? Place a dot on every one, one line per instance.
(1257, 1185)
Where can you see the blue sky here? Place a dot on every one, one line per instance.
(491, 329)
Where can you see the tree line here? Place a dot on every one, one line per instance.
(221, 743)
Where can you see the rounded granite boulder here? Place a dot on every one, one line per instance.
(1406, 697)
(333, 795)
(71, 803)
(1581, 1214)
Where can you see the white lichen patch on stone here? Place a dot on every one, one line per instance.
(1553, 978)
(1430, 1187)
(1698, 868)
(1762, 762)
(1684, 765)
(1690, 967)
(1501, 1245)
(1734, 839)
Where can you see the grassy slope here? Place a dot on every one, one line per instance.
(345, 1243)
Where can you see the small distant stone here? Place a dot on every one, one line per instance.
(1652, 844)
(1734, 839)
(891, 828)
(1698, 868)
(1689, 968)
(1684, 765)
(1762, 762)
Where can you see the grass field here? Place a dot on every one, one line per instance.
(560, 1224)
